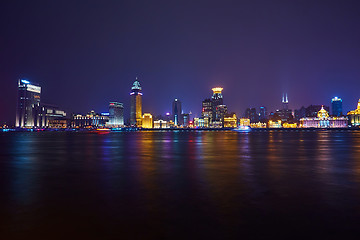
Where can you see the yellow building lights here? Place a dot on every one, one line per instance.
(289, 125)
(147, 120)
(230, 122)
(217, 90)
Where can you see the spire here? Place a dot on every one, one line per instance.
(285, 98)
(285, 101)
(136, 85)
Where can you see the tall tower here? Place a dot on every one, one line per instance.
(216, 100)
(176, 112)
(285, 102)
(135, 104)
(336, 106)
(28, 105)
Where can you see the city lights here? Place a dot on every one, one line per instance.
(33, 114)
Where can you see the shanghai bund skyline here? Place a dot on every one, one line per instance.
(304, 49)
(169, 119)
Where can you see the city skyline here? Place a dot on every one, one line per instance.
(256, 52)
(31, 112)
(197, 110)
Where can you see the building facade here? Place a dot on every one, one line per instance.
(136, 104)
(207, 110)
(161, 124)
(216, 100)
(147, 120)
(220, 112)
(263, 114)
(244, 122)
(323, 120)
(336, 107)
(28, 110)
(177, 112)
(186, 119)
(203, 122)
(53, 117)
(251, 114)
(230, 121)
(90, 120)
(116, 114)
(354, 116)
(275, 124)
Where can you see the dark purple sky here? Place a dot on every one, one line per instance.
(87, 53)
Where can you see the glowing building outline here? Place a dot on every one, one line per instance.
(136, 104)
(354, 116)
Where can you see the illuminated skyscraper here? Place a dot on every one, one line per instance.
(263, 115)
(217, 100)
(116, 113)
(336, 106)
(186, 119)
(207, 110)
(176, 112)
(28, 105)
(220, 112)
(136, 104)
(285, 102)
(285, 113)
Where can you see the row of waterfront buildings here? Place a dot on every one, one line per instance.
(32, 113)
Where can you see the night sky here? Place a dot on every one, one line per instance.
(87, 53)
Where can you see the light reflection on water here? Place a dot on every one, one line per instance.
(165, 182)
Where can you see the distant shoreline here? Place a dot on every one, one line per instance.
(185, 130)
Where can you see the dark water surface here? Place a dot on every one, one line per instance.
(183, 185)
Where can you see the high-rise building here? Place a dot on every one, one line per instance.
(207, 110)
(220, 112)
(28, 105)
(147, 120)
(136, 104)
(263, 115)
(285, 102)
(285, 114)
(251, 114)
(336, 106)
(216, 100)
(186, 119)
(116, 114)
(300, 113)
(177, 112)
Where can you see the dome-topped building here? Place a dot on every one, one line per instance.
(323, 120)
(322, 114)
(354, 116)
